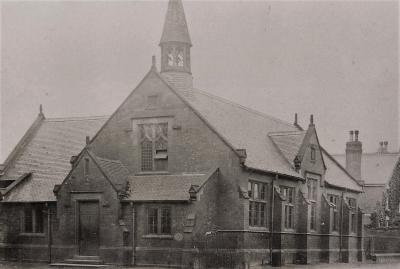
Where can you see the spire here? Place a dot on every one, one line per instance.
(175, 26)
(175, 47)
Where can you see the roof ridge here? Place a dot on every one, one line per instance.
(371, 153)
(78, 118)
(251, 110)
(283, 133)
(108, 160)
(339, 165)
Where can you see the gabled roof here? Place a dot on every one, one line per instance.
(337, 176)
(243, 128)
(164, 187)
(175, 26)
(376, 168)
(114, 170)
(289, 143)
(46, 153)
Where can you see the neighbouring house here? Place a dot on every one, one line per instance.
(177, 177)
(392, 195)
(374, 171)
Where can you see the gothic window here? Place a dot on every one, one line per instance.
(257, 204)
(33, 219)
(154, 147)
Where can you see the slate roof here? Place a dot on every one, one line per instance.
(115, 171)
(175, 25)
(376, 168)
(46, 154)
(164, 187)
(337, 175)
(289, 143)
(244, 129)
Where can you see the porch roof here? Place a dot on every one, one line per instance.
(164, 187)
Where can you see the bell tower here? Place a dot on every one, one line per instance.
(175, 47)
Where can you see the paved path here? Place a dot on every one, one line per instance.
(14, 265)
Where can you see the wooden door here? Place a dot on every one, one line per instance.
(89, 228)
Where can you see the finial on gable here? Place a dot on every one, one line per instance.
(87, 140)
(41, 111)
(311, 120)
(295, 119)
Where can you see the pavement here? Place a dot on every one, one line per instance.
(16, 265)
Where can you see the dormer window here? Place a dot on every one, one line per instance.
(154, 146)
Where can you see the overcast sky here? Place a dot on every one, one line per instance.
(337, 60)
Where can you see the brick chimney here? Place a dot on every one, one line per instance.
(353, 155)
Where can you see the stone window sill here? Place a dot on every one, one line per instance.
(148, 173)
(158, 236)
(33, 234)
(258, 229)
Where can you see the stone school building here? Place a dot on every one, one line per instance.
(177, 177)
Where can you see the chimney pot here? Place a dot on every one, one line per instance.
(385, 147)
(353, 155)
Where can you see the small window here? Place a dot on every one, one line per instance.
(152, 101)
(86, 168)
(33, 219)
(159, 220)
(313, 153)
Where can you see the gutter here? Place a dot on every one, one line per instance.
(272, 217)
(49, 235)
(274, 173)
(341, 225)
